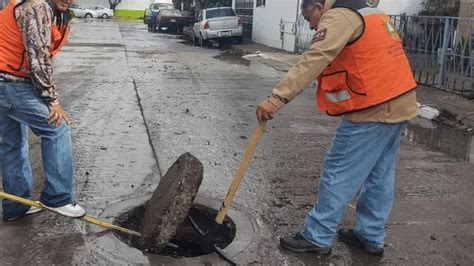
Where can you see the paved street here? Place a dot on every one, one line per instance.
(139, 100)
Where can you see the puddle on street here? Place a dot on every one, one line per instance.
(186, 42)
(84, 44)
(254, 67)
(232, 58)
(440, 137)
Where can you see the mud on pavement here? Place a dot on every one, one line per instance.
(137, 88)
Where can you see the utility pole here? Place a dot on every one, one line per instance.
(297, 28)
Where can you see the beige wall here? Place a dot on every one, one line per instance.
(467, 9)
(466, 26)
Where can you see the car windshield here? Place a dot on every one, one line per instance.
(170, 12)
(220, 12)
(162, 6)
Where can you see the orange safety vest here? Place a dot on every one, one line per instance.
(13, 56)
(369, 71)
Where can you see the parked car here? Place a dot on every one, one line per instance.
(80, 11)
(102, 11)
(219, 23)
(171, 19)
(149, 17)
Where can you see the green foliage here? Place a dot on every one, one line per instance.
(440, 8)
(201, 3)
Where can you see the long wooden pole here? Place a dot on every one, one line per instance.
(85, 218)
(239, 174)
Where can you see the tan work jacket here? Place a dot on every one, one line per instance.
(342, 26)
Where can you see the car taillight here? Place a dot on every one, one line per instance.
(206, 25)
(240, 21)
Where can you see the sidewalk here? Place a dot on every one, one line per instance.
(454, 109)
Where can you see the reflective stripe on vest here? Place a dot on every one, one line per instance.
(372, 70)
(13, 56)
(339, 96)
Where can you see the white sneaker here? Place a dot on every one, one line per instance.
(32, 210)
(72, 210)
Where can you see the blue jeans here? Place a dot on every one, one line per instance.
(21, 108)
(362, 157)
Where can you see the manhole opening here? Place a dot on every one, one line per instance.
(187, 242)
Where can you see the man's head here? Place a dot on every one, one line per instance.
(62, 5)
(312, 11)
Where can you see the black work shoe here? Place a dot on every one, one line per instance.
(348, 236)
(297, 243)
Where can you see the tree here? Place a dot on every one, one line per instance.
(440, 8)
(212, 3)
(114, 3)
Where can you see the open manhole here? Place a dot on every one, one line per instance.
(187, 242)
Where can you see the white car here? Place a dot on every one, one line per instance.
(82, 12)
(102, 11)
(216, 24)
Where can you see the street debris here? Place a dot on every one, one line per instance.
(427, 112)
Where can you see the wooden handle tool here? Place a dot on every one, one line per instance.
(239, 174)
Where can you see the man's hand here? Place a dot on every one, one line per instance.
(266, 111)
(56, 115)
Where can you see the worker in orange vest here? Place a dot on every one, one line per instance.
(365, 77)
(31, 33)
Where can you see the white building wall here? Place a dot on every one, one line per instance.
(134, 4)
(266, 20)
(397, 7)
(93, 3)
(125, 4)
(266, 23)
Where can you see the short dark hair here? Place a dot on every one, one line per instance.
(309, 3)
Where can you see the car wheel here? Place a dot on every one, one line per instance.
(105, 16)
(153, 27)
(240, 39)
(88, 15)
(180, 30)
(202, 42)
(195, 39)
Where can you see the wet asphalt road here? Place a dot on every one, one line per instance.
(138, 99)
